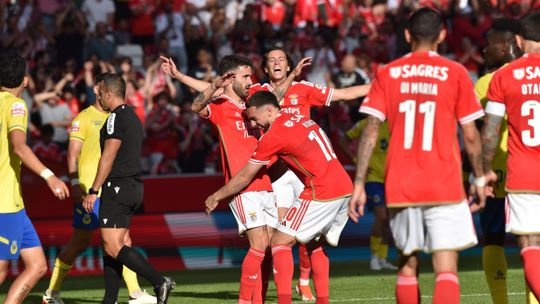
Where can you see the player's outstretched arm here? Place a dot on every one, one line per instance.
(473, 147)
(351, 93)
(17, 139)
(368, 141)
(110, 149)
(282, 88)
(201, 100)
(240, 181)
(169, 67)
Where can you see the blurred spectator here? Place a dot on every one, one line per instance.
(323, 61)
(194, 143)
(97, 11)
(121, 33)
(45, 148)
(470, 57)
(100, 44)
(204, 70)
(170, 25)
(56, 114)
(161, 137)
(142, 22)
(135, 99)
(273, 11)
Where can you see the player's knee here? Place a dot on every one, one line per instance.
(3, 274)
(111, 248)
(37, 267)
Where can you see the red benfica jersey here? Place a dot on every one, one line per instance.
(237, 140)
(300, 97)
(301, 143)
(423, 95)
(516, 89)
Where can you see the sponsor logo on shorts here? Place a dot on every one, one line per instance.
(105, 221)
(116, 189)
(13, 248)
(86, 219)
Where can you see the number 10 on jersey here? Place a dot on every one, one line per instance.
(428, 110)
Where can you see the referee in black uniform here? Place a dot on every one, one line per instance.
(119, 177)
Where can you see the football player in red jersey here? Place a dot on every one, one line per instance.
(515, 91)
(319, 214)
(424, 96)
(254, 207)
(298, 99)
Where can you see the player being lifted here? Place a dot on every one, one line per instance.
(254, 207)
(424, 96)
(298, 99)
(515, 91)
(319, 214)
(83, 157)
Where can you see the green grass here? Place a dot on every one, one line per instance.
(350, 283)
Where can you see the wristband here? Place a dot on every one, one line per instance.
(480, 181)
(46, 173)
(75, 182)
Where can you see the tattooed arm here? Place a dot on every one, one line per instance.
(368, 141)
(490, 139)
(282, 88)
(200, 101)
(473, 146)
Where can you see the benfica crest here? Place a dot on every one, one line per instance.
(293, 98)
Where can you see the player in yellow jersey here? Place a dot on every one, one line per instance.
(501, 49)
(18, 238)
(83, 156)
(375, 194)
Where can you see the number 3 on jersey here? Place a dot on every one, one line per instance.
(325, 144)
(428, 109)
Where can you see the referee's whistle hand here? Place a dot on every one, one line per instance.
(58, 187)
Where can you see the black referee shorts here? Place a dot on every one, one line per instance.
(120, 199)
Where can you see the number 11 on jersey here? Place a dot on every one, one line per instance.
(428, 109)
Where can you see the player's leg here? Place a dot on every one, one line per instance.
(31, 253)
(267, 265)
(449, 229)
(375, 203)
(136, 295)
(530, 255)
(446, 281)
(286, 189)
(254, 212)
(492, 220)
(407, 289)
(4, 264)
(84, 224)
(283, 265)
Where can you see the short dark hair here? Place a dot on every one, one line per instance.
(425, 25)
(12, 70)
(230, 63)
(262, 98)
(115, 84)
(100, 77)
(529, 27)
(290, 61)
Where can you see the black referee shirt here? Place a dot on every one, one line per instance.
(124, 125)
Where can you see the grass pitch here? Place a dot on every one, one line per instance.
(349, 283)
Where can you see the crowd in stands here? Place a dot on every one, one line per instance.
(67, 43)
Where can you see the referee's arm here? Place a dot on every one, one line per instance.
(106, 161)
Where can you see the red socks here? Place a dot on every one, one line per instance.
(305, 264)
(321, 274)
(251, 282)
(407, 290)
(446, 288)
(283, 272)
(531, 266)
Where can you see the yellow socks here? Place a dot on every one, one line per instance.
(383, 251)
(59, 273)
(531, 299)
(495, 267)
(375, 245)
(130, 278)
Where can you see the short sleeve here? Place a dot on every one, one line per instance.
(495, 91)
(375, 102)
(468, 107)
(115, 126)
(317, 95)
(78, 129)
(267, 148)
(17, 118)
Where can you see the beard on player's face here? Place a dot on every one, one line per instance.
(241, 90)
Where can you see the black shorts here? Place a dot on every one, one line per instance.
(120, 198)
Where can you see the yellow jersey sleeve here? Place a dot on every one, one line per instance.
(78, 128)
(501, 154)
(17, 118)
